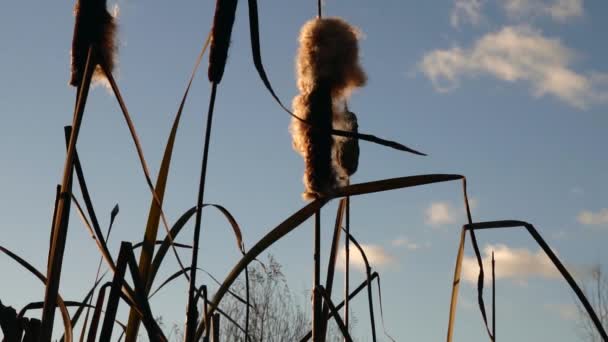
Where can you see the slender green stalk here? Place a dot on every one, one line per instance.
(63, 208)
(191, 313)
(347, 263)
(317, 331)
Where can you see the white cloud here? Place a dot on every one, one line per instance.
(587, 217)
(518, 53)
(560, 10)
(376, 255)
(405, 242)
(567, 312)
(517, 264)
(439, 213)
(466, 11)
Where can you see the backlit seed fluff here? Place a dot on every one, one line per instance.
(329, 51)
(327, 69)
(345, 149)
(94, 25)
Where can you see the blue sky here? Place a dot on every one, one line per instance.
(513, 94)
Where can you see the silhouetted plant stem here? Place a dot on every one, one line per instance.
(493, 298)
(60, 225)
(316, 297)
(191, 315)
(347, 263)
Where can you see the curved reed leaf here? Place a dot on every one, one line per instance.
(456, 286)
(254, 32)
(39, 305)
(368, 272)
(86, 300)
(352, 295)
(160, 242)
(65, 315)
(554, 259)
(303, 214)
(97, 313)
(61, 218)
(332, 262)
(154, 214)
(140, 152)
(164, 247)
(336, 316)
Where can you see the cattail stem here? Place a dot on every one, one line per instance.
(191, 315)
(316, 297)
(493, 299)
(63, 207)
(319, 9)
(347, 264)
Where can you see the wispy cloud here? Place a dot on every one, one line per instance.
(518, 54)
(466, 12)
(560, 10)
(567, 312)
(406, 243)
(376, 255)
(442, 212)
(439, 213)
(587, 217)
(518, 264)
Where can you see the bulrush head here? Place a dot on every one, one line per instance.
(94, 26)
(328, 69)
(345, 154)
(329, 51)
(223, 20)
(314, 144)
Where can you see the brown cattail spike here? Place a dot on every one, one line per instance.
(223, 20)
(94, 26)
(314, 144)
(328, 70)
(345, 149)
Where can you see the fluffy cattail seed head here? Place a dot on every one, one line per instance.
(345, 149)
(314, 144)
(329, 51)
(223, 20)
(94, 26)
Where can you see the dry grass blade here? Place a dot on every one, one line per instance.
(57, 195)
(336, 316)
(281, 230)
(554, 259)
(87, 300)
(382, 310)
(332, 262)
(65, 315)
(352, 295)
(456, 286)
(140, 153)
(154, 214)
(480, 278)
(254, 32)
(39, 305)
(60, 220)
(368, 273)
(303, 214)
(164, 247)
(97, 313)
(392, 184)
(191, 306)
(160, 242)
(127, 259)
